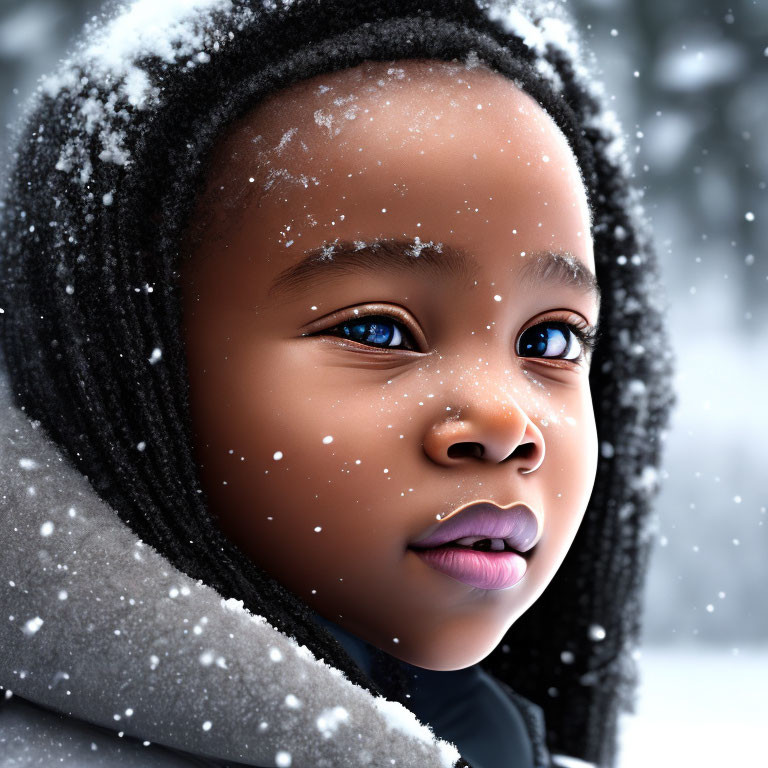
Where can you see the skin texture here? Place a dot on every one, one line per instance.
(401, 150)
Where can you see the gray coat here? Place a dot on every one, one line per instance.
(109, 656)
(142, 661)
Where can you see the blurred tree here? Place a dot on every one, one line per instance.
(34, 35)
(699, 104)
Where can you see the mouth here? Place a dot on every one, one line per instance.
(471, 525)
(481, 544)
(475, 543)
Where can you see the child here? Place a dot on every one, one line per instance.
(307, 295)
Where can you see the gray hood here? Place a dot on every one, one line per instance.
(97, 625)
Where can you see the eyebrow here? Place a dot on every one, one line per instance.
(432, 260)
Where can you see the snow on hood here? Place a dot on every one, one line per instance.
(98, 625)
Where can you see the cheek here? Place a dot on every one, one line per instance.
(572, 437)
(285, 435)
(568, 476)
(326, 420)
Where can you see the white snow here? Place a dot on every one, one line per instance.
(702, 706)
(329, 720)
(607, 122)
(397, 717)
(292, 702)
(552, 30)
(647, 480)
(171, 30)
(175, 31)
(32, 626)
(555, 30)
(596, 632)
(114, 150)
(517, 23)
(324, 119)
(287, 136)
(566, 761)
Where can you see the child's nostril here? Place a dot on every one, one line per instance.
(524, 451)
(460, 450)
(476, 450)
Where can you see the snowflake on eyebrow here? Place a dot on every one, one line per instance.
(327, 250)
(418, 246)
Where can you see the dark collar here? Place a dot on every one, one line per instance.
(465, 706)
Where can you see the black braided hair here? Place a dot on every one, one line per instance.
(103, 182)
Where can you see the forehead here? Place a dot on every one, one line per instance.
(392, 149)
(401, 100)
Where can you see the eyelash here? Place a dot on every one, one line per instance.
(586, 336)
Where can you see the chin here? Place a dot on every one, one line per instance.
(445, 663)
(466, 644)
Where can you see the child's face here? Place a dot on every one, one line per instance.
(325, 455)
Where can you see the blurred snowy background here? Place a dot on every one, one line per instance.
(689, 80)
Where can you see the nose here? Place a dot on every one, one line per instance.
(490, 431)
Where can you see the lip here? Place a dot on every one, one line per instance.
(516, 522)
(483, 570)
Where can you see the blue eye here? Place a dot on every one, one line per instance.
(376, 330)
(553, 340)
